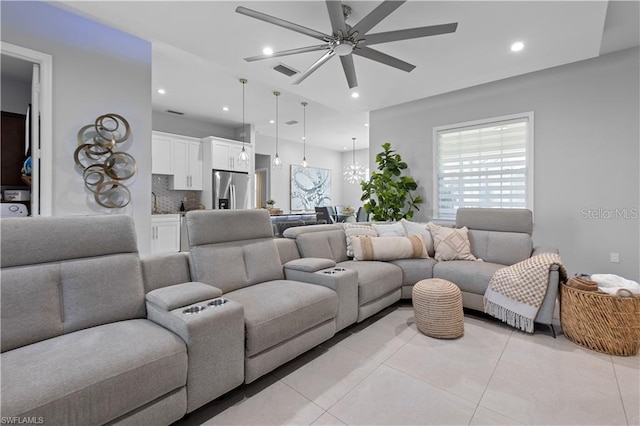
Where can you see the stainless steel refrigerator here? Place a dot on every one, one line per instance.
(230, 190)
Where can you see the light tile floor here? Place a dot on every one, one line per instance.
(385, 372)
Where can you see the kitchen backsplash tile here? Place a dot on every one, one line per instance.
(169, 200)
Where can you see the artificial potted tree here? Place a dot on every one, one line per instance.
(388, 195)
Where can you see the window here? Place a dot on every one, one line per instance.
(486, 163)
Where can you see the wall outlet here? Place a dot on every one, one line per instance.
(615, 257)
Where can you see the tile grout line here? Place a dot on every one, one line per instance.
(307, 399)
(491, 377)
(615, 374)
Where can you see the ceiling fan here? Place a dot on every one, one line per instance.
(346, 40)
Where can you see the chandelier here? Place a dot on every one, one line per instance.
(354, 172)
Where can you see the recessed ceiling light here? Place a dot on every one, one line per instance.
(355, 95)
(272, 121)
(161, 91)
(517, 46)
(225, 108)
(267, 51)
(344, 147)
(366, 124)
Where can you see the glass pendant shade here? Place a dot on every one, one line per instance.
(243, 158)
(304, 135)
(354, 172)
(277, 162)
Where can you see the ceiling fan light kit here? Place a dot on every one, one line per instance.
(346, 41)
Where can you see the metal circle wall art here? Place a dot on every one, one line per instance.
(103, 167)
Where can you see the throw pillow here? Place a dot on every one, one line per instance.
(388, 248)
(353, 231)
(389, 229)
(451, 243)
(417, 228)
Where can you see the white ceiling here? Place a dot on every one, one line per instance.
(198, 51)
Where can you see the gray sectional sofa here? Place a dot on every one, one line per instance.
(500, 237)
(94, 334)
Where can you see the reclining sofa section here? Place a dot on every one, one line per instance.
(235, 252)
(77, 348)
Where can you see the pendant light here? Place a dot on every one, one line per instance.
(243, 158)
(277, 162)
(354, 173)
(304, 134)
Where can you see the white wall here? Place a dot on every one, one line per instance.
(96, 70)
(291, 153)
(16, 95)
(351, 192)
(586, 151)
(171, 123)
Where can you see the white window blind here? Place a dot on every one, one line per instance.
(486, 164)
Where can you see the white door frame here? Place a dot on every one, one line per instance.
(45, 153)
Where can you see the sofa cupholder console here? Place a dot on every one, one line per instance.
(217, 302)
(194, 310)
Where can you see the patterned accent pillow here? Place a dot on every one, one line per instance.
(451, 243)
(389, 229)
(388, 248)
(418, 228)
(352, 231)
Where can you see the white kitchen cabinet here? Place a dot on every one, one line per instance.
(187, 164)
(165, 233)
(161, 154)
(224, 156)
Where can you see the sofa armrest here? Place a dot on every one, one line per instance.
(309, 264)
(543, 249)
(342, 281)
(214, 338)
(179, 295)
(546, 311)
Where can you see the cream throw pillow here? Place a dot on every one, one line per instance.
(353, 231)
(390, 229)
(451, 243)
(418, 228)
(388, 248)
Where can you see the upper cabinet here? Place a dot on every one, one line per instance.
(180, 157)
(224, 155)
(161, 147)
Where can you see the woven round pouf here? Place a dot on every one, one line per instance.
(437, 306)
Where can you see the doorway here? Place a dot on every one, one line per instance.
(27, 112)
(263, 179)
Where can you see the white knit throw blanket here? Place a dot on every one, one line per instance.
(515, 293)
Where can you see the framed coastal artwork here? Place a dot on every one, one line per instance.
(310, 188)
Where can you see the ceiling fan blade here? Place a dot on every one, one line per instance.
(378, 14)
(334, 7)
(288, 52)
(375, 55)
(324, 58)
(409, 33)
(349, 70)
(281, 23)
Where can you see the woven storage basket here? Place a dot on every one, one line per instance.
(598, 321)
(437, 307)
